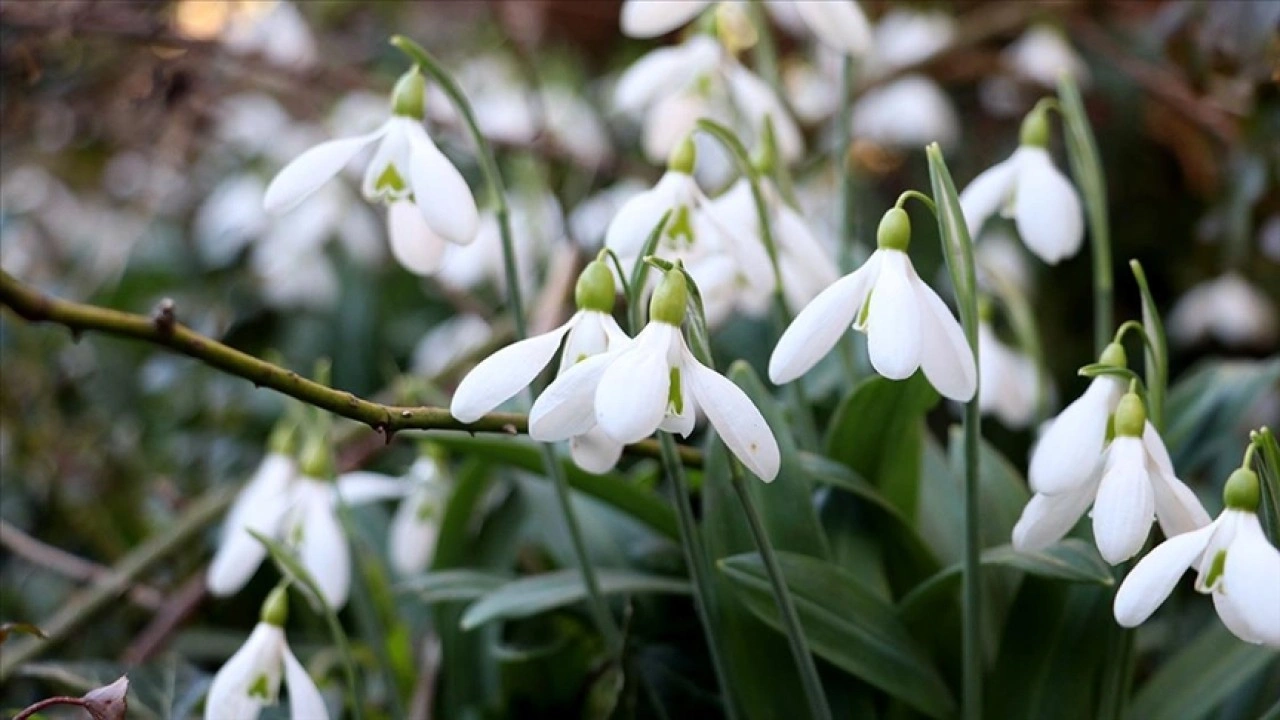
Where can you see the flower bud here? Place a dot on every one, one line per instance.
(1035, 128)
(275, 609)
(408, 98)
(1242, 491)
(1130, 416)
(765, 159)
(894, 232)
(683, 157)
(1114, 355)
(595, 289)
(668, 301)
(317, 459)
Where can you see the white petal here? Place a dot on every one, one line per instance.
(1046, 208)
(259, 507)
(1125, 506)
(1048, 518)
(1069, 451)
(413, 244)
(413, 532)
(640, 215)
(734, 417)
(821, 323)
(681, 423)
(839, 24)
(1177, 508)
(323, 547)
(986, 194)
(594, 451)
(663, 70)
(567, 407)
(1153, 578)
(361, 486)
(305, 702)
(651, 18)
(1234, 619)
(503, 374)
(631, 400)
(893, 320)
(312, 169)
(755, 100)
(228, 697)
(440, 191)
(392, 153)
(1251, 581)
(588, 336)
(945, 355)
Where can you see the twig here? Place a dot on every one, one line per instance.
(72, 566)
(37, 307)
(48, 703)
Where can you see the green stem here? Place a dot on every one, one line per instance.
(695, 557)
(1118, 670)
(604, 620)
(766, 53)
(1156, 355)
(818, 709)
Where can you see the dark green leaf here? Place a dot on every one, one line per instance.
(540, 593)
(445, 585)
(1201, 676)
(1156, 350)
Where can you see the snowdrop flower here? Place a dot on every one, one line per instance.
(1135, 485)
(908, 326)
(653, 383)
(1010, 383)
(276, 30)
(1233, 562)
(1030, 189)
(1227, 309)
(450, 342)
(999, 258)
(1042, 55)
(259, 507)
(590, 219)
(905, 37)
(907, 113)
(537, 224)
(416, 523)
(427, 199)
(590, 332)
(250, 680)
(839, 24)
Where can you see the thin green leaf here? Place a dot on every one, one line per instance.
(1201, 676)
(540, 593)
(1269, 473)
(640, 276)
(445, 585)
(956, 244)
(1156, 350)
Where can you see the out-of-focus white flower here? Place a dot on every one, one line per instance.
(589, 221)
(274, 29)
(1228, 309)
(839, 24)
(1042, 55)
(908, 326)
(1000, 258)
(537, 224)
(1010, 382)
(1233, 561)
(416, 524)
(259, 507)
(250, 679)
(449, 343)
(907, 113)
(904, 37)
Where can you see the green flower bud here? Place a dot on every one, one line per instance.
(1035, 128)
(668, 301)
(766, 156)
(317, 458)
(1130, 416)
(683, 157)
(408, 98)
(275, 609)
(595, 289)
(894, 232)
(1242, 491)
(1114, 355)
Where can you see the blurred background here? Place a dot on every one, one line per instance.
(136, 139)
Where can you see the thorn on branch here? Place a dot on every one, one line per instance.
(509, 429)
(164, 317)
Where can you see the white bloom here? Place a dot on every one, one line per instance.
(1070, 449)
(1042, 55)
(276, 30)
(250, 680)
(1228, 309)
(1000, 258)
(260, 507)
(651, 18)
(450, 342)
(908, 328)
(906, 113)
(904, 37)
(1233, 562)
(1042, 202)
(840, 24)
(1010, 382)
(590, 219)
(537, 224)
(416, 524)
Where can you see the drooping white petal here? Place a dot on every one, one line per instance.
(945, 355)
(839, 24)
(594, 451)
(755, 100)
(1207, 568)
(1048, 518)
(587, 337)
(683, 422)
(1125, 505)
(1046, 208)
(503, 374)
(821, 323)
(1009, 384)
(360, 487)
(259, 657)
(907, 113)
(1251, 581)
(312, 169)
(1234, 620)
(1177, 508)
(259, 507)
(305, 702)
(440, 191)
(663, 70)
(322, 547)
(734, 417)
(567, 407)
(1071, 448)
(651, 18)
(413, 244)
(631, 399)
(414, 529)
(386, 177)
(893, 320)
(987, 193)
(640, 215)
(1153, 578)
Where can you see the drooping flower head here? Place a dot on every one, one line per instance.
(1010, 380)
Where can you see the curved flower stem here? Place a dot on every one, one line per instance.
(604, 619)
(699, 568)
(47, 703)
(818, 708)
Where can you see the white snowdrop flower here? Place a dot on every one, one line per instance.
(260, 507)
(905, 37)
(810, 91)
(537, 225)
(576, 127)
(589, 221)
(449, 343)
(250, 679)
(251, 123)
(590, 332)
(1069, 450)
(427, 199)
(652, 383)
(1028, 188)
(275, 30)
(1135, 485)
(906, 113)
(1010, 382)
(1042, 55)
(839, 24)
(229, 219)
(651, 18)
(416, 524)
(1228, 309)
(908, 326)
(1233, 561)
(1000, 258)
